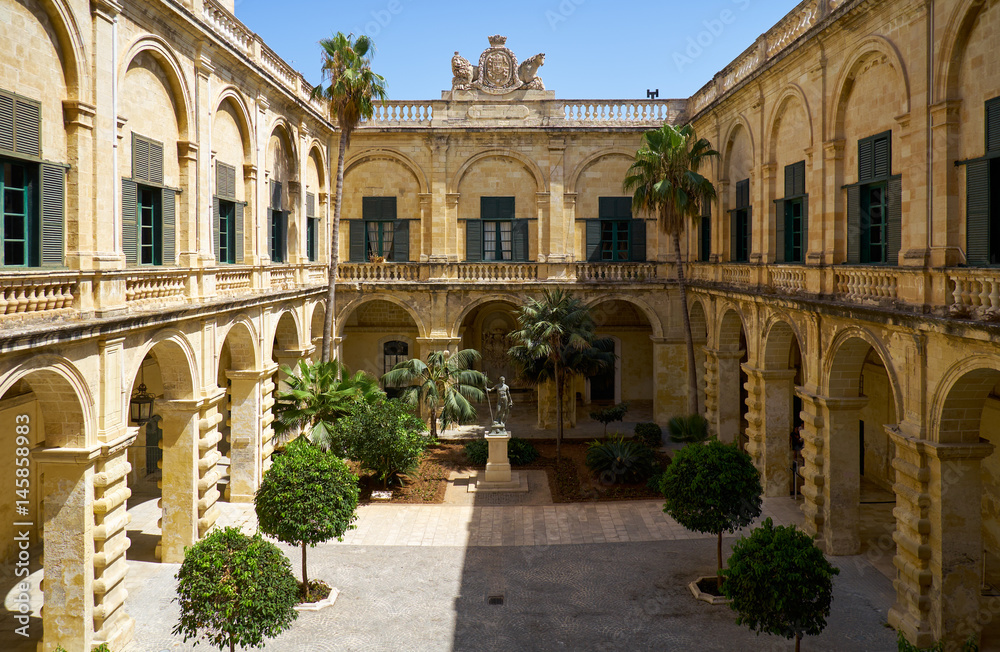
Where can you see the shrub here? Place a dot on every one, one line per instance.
(609, 414)
(649, 434)
(235, 590)
(712, 488)
(779, 582)
(691, 428)
(519, 451)
(620, 460)
(655, 482)
(384, 438)
(306, 497)
(904, 645)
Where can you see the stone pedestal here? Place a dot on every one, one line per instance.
(498, 464)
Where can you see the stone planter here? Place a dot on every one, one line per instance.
(706, 597)
(322, 604)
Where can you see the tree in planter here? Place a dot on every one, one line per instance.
(318, 395)
(351, 94)
(235, 590)
(556, 340)
(445, 385)
(779, 582)
(663, 179)
(383, 437)
(307, 497)
(712, 488)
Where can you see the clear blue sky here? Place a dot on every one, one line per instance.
(593, 48)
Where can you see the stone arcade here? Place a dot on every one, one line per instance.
(178, 180)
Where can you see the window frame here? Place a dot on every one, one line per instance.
(29, 214)
(227, 231)
(155, 227)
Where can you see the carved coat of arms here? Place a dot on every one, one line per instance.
(498, 71)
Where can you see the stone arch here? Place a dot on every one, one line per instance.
(844, 359)
(738, 123)
(232, 95)
(698, 316)
(574, 177)
(872, 46)
(177, 361)
(72, 48)
(957, 32)
(731, 324)
(791, 93)
(287, 330)
(63, 394)
(281, 129)
(779, 332)
(164, 55)
(391, 155)
(532, 168)
(954, 414)
(345, 312)
(315, 152)
(647, 310)
(242, 339)
(467, 309)
(317, 319)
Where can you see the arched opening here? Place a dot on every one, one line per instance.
(858, 485)
(631, 377)
(780, 457)
(282, 224)
(487, 328)
(367, 330)
(240, 432)
(731, 393)
(316, 327)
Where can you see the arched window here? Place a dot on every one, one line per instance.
(394, 352)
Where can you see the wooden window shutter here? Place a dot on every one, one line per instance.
(53, 214)
(6, 122)
(357, 241)
(169, 227)
(389, 208)
(977, 212)
(993, 125)
(20, 125)
(624, 208)
(239, 232)
(473, 241)
(894, 221)
(140, 158)
(795, 179)
(593, 241)
(155, 162)
(749, 231)
(130, 222)
(743, 193)
(369, 207)
(805, 227)
(854, 225)
(880, 157)
(488, 209)
(605, 207)
(789, 180)
(217, 227)
(519, 238)
(637, 241)
(225, 180)
(400, 241)
(733, 232)
(310, 204)
(780, 244)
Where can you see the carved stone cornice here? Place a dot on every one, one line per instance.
(106, 9)
(187, 150)
(79, 114)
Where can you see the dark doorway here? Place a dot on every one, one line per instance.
(861, 444)
(602, 386)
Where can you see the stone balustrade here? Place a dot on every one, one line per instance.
(865, 284)
(377, 272)
(282, 277)
(975, 293)
(738, 274)
(771, 44)
(392, 113)
(234, 280)
(156, 287)
(617, 272)
(603, 112)
(495, 271)
(787, 278)
(36, 292)
(228, 27)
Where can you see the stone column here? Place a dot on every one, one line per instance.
(824, 219)
(722, 378)
(245, 419)
(446, 246)
(770, 418)
(670, 388)
(426, 232)
(66, 476)
(938, 539)
(945, 245)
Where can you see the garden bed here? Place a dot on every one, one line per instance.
(569, 481)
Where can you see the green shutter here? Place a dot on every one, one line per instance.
(854, 225)
(706, 238)
(217, 228)
(733, 232)
(881, 162)
(805, 227)
(225, 180)
(637, 241)
(140, 158)
(239, 232)
(130, 222)
(268, 228)
(53, 214)
(310, 204)
(155, 162)
(519, 238)
(749, 231)
(782, 233)
(790, 180)
(623, 208)
(993, 125)
(605, 207)
(6, 122)
(369, 207)
(27, 127)
(488, 209)
(400, 241)
(388, 208)
(169, 228)
(894, 219)
(865, 156)
(357, 241)
(977, 211)
(474, 240)
(594, 241)
(795, 179)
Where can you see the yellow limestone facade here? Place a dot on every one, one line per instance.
(177, 179)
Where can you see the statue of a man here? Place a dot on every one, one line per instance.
(503, 401)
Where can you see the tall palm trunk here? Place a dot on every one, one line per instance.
(434, 423)
(688, 339)
(334, 251)
(559, 410)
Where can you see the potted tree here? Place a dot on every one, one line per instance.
(712, 488)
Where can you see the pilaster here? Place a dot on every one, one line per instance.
(769, 407)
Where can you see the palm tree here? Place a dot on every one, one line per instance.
(555, 341)
(317, 396)
(445, 383)
(352, 90)
(664, 180)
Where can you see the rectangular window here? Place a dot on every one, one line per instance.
(982, 193)
(312, 238)
(150, 211)
(227, 231)
(497, 234)
(705, 233)
(498, 240)
(791, 216)
(278, 231)
(615, 215)
(740, 228)
(380, 226)
(20, 221)
(874, 205)
(874, 227)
